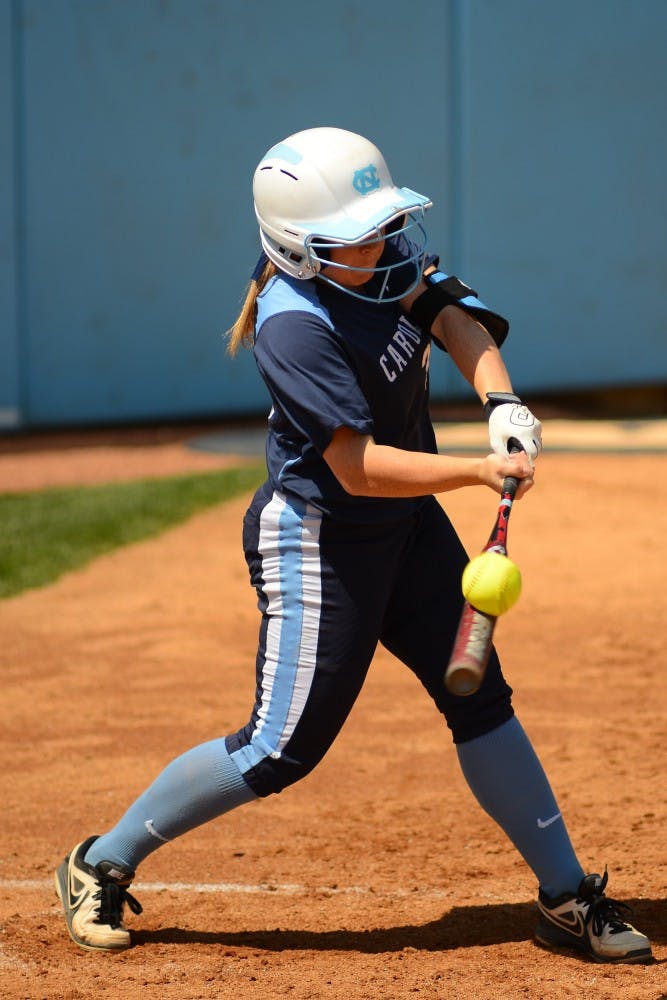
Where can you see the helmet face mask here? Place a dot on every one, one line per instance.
(319, 253)
(327, 188)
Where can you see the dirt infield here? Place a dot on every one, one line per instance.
(377, 876)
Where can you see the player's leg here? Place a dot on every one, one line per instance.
(508, 781)
(497, 759)
(496, 756)
(321, 610)
(93, 880)
(345, 573)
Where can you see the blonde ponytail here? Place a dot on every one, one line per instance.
(241, 334)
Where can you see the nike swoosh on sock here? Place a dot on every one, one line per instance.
(544, 823)
(153, 832)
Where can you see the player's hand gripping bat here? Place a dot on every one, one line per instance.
(472, 646)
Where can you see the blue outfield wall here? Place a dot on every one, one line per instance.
(564, 137)
(10, 366)
(131, 128)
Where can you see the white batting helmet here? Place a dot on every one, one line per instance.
(327, 187)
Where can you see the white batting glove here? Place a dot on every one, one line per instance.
(512, 422)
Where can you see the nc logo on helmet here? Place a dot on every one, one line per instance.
(366, 180)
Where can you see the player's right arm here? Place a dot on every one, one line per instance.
(364, 468)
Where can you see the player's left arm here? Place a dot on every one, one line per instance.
(473, 351)
(469, 344)
(476, 355)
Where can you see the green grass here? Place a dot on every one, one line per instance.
(48, 533)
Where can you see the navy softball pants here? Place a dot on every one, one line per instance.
(328, 592)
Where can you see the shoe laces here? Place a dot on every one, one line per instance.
(112, 897)
(602, 910)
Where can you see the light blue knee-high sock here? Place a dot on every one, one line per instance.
(195, 788)
(508, 781)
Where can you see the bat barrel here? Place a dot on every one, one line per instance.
(471, 651)
(472, 645)
(463, 680)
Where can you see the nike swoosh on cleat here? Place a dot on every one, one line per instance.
(544, 823)
(76, 892)
(572, 922)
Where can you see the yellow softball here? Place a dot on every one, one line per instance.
(491, 583)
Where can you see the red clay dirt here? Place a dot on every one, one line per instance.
(377, 876)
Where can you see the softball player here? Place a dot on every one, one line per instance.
(345, 542)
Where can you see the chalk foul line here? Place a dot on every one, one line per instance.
(230, 888)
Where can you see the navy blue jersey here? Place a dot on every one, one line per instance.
(330, 360)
